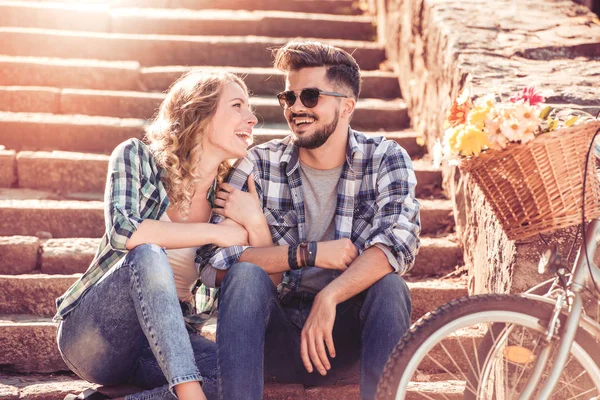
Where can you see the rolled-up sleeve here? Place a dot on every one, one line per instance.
(396, 224)
(122, 195)
(211, 256)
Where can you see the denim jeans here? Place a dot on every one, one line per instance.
(129, 328)
(259, 334)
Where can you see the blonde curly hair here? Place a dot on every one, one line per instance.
(175, 135)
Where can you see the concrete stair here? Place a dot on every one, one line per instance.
(79, 77)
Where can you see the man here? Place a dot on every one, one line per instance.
(341, 209)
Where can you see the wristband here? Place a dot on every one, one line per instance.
(303, 246)
(312, 253)
(293, 258)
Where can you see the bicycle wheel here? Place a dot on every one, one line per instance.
(484, 347)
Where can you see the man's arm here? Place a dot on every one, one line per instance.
(368, 268)
(332, 254)
(395, 231)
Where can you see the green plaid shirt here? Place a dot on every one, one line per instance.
(134, 192)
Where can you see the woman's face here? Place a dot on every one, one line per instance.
(230, 130)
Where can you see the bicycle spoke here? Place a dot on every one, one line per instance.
(587, 392)
(523, 369)
(467, 358)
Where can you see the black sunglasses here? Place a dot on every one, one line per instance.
(308, 97)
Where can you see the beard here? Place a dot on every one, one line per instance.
(320, 136)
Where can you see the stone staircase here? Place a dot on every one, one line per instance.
(77, 79)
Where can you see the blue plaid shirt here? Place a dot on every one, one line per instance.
(376, 204)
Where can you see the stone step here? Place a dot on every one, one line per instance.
(369, 113)
(308, 6)
(34, 294)
(91, 134)
(101, 18)
(48, 387)
(28, 342)
(345, 7)
(69, 172)
(154, 50)
(28, 254)
(129, 75)
(25, 213)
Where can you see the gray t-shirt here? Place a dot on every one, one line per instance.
(319, 189)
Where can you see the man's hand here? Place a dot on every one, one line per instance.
(318, 333)
(335, 254)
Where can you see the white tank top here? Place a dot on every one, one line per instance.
(184, 268)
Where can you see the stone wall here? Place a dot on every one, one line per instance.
(437, 47)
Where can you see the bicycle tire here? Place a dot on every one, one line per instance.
(423, 333)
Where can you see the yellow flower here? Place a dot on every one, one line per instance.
(450, 137)
(478, 115)
(471, 141)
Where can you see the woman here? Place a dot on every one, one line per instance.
(122, 321)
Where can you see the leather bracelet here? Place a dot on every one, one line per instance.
(292, 257)
(312, 253)
(303, 246)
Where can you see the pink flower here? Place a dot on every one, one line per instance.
(530, 95)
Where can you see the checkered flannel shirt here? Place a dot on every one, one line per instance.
(376, 202)
(134, 192)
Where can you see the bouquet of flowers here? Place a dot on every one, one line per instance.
(488, 123)
(526, 157)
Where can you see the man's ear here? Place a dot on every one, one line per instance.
(348, 108)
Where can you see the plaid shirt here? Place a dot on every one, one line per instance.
(376, 202)
(134, 192)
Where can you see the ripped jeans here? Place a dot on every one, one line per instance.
(129, 328)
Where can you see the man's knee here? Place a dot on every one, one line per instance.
(245, 277)
(390, 293)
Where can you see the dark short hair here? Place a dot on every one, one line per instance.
(342, 68)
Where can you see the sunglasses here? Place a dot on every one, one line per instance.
(308, 97)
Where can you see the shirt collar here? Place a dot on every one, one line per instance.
(290, 159)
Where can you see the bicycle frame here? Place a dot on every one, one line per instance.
(579, 280)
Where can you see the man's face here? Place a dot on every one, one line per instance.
(312, 126)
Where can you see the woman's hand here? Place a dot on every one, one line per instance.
(335, 254)
(230, 233)
(242, 207)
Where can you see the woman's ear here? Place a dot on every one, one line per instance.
(348, 109)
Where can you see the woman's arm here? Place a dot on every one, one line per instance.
(176, 235)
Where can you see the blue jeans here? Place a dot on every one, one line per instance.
(129, 328)
(259, 334)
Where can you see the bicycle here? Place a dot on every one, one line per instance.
(535, 345)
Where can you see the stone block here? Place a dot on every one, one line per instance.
(91, 18)
(346, 392)
(30, 347)
(71, 73)
(29, 99)
(32, 294)
(64, 172)
(8, 171)
(18, 254)
(68, 256)
(22, 131)
(62, 218)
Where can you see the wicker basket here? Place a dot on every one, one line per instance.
(537, 187)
